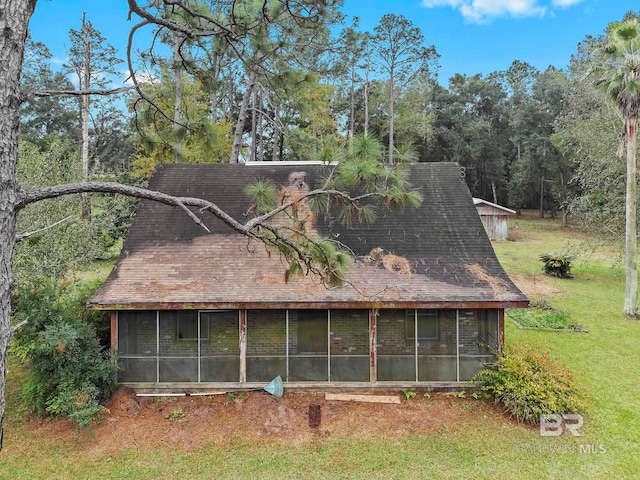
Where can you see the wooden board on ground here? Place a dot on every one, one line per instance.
(346, 397)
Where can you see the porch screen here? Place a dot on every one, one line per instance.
(308, 345)
(266, 344)
(478, 340)
(178, 341)
(219, 346)
(349, 349)
(417, 345)
(137, 346)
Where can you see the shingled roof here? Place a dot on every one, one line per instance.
(433, 256)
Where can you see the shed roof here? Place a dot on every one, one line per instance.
(504, 210)
(168, 261)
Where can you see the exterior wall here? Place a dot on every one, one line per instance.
(496, 226)
(305, 345)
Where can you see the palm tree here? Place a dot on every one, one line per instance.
(617, 74)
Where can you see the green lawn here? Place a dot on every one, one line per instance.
(606, 362)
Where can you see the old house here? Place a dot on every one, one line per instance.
(495, 218)
(422, 303)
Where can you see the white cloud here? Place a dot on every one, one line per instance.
(141, 77)
(565, 3)
(481, 10)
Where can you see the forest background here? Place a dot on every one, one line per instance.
(528, 138)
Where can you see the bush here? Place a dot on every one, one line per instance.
(70, 373)
(556, 265)
(528, 383)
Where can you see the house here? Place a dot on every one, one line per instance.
(422, 303)
(495, 218)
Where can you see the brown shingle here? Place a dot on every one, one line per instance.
(170, 262)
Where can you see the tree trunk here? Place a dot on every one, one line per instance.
(86, 85)
(366, 108)
(260, 130)
(391, 113)
(631, 236)
(565, 212)
(13, 23)
(352, 106)
(254, 119)
(542, 196)
(178, 129)
(242, 119)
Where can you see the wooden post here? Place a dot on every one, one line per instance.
(114, 330)
(500, 329)
(373, 340)
(243, 346)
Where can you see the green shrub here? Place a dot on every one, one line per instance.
(528, 383)
(556, 265)
(70, 373)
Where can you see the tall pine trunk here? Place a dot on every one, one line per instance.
(242, 119)
(631, 234)
(13, 25)
(352, 106)
(391, 115)
(84, 117)
(178, 129)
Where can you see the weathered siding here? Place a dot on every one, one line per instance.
(496, 226)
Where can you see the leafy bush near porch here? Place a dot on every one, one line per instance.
(556, 265)
(528, 383)
(70, 373)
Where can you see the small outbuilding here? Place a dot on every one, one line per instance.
(422, 302)
(495, 218)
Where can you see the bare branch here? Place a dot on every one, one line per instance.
(27, 197)
(73, 93)
(24, 236)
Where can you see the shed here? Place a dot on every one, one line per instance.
(422, 302)
(495, 218)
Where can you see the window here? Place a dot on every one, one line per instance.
(427, 323)
(187, 326)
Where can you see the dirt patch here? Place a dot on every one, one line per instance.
(187, 423)
(537, 286)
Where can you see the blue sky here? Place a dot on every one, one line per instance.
(472, 36)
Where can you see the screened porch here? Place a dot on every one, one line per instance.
(338, 346)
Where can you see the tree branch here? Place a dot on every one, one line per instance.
(24, 236)
(27, 197)
(73, 93)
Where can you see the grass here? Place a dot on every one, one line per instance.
(543, 317)
(606, 362)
